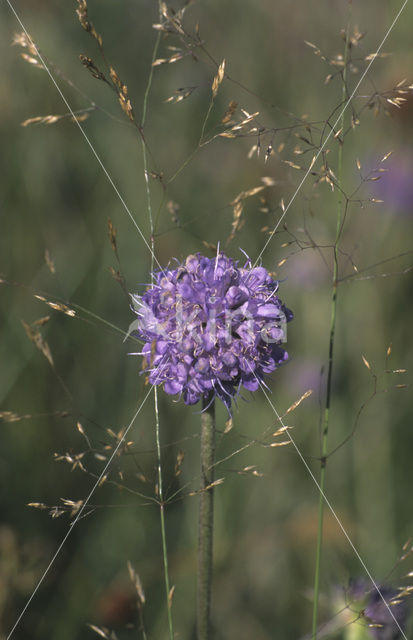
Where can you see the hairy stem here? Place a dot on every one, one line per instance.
(206, 511)
(326, 420)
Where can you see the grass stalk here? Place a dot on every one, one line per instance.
(156, 407)
(162, 516)
(206, 515)
(326, 419)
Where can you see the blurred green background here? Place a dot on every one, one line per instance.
(56, 198)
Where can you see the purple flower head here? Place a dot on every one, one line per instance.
(211, 327)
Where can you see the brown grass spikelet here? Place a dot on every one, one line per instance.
(35, 336)
(31, 60)
(243, 195)
(268, 181)
(280, 444)
(137, 583)
(254, 149)
(227, 117)
(292, 164)
(216, 483)
(112, 235)
(103, 480)
(217, 81)
(173, 209)
(121, 88)
(115, 78)
(174, 58)
(37, 505)
(101, 631)
(10, 416)
(72, 459)
(57, 306)
(366, 362)
(268, 153)
(385, 157)
(240, 127)
(250, 470)
(295, 404)
(49, 261)
(24, 40)
(51, 119)
(158, 26)
(228, 425)
(375, 55)
(92, 68)
(85, 22)
(41, 321)
(74, 505)
(171, 595)
(81, 430)
(82, 14)
(281, 431)
(179, 461)
(238, 208)
(227, 134)
(126, 106)
(80, 116)
(180, 94)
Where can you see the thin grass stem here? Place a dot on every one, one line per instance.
(206, 519)
(156, 406)
(162, 516)
(326, 421)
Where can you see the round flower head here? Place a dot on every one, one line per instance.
(211, 327)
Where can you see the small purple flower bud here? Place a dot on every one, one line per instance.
(236, 296)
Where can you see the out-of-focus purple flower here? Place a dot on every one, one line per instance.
(381, 623)
(306, 373)
(395, 186)
(210, 327)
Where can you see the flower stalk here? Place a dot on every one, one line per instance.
(206, 517)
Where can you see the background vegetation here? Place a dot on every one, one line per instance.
(55, 198)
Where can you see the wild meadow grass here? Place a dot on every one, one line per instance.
(152, 132)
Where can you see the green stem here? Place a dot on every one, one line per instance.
(157, 428)
(326, 420)
(162, 514)
(206, 511)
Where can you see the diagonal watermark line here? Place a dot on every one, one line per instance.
(92, 148)
(72, 524)
(315, 158)
(328, 503)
